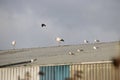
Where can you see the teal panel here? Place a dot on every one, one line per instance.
(62, 72)
(55, 72)
(48, 73)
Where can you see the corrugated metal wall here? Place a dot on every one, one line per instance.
(59, 72)
(19, 73)
(94, 71)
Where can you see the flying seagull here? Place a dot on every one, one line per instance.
(43, 25)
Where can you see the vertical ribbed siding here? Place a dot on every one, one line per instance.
(59, 72)
(96, 71)
(19, 73)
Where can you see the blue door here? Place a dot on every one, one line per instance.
(55, 72)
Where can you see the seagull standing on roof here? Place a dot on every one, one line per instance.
(13, 44)
(59, 39)
(43, 25)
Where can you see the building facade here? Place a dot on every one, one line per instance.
(55, 63)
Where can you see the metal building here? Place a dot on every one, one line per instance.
(56, 63)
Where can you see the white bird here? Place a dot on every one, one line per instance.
(13, 43)
(96, 40)
(32, 60)
(94, 47)
(58, 39)
(85, 41)
(70, 53)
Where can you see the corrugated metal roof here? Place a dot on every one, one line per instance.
(60, 54)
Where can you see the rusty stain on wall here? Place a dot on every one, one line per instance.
(27, 76)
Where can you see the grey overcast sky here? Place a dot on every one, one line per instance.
(73, 20)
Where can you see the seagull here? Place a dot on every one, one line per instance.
(13, 43)
(43, 25)
(85, 41)
(59, 39)
(71, 53)
(96, 40)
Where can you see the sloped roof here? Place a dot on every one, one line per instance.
(60, 54)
